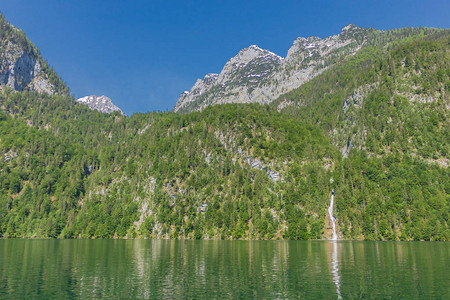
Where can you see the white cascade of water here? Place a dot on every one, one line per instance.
(334, 257)
(333, 220)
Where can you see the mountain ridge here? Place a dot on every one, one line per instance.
(259, 75)
(376, 124)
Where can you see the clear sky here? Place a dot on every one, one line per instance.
(144, 54)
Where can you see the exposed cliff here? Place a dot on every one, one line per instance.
(22, 66)
(258, 75)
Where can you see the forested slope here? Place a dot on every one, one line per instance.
(390, 106)
(377, 124)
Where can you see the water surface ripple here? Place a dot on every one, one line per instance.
(158, 269)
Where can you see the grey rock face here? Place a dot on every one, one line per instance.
(101, 103)
(20, 69)
(258, 75)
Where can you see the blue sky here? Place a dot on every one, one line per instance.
(143, 54)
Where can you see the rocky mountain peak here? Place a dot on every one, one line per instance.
(22, 66)
(101, 103)
(354, 32)
(251, 53)
(258, 75)
(348, 27)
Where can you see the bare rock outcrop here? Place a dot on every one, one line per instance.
(256, 75)
(22, 66)
(101, 103)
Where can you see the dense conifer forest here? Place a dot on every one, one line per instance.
(377, 124)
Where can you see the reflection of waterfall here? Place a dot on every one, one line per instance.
(333, 220)
(334, 256)
(335, 269)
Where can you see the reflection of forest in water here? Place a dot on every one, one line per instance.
(222, 269)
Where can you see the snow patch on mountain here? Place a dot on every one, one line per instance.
(261, 76)
(101, 103)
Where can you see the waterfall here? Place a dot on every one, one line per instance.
(334, 257)
(330, 212)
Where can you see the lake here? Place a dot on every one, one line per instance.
(161, 269)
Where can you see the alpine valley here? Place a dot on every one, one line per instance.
(255, 152)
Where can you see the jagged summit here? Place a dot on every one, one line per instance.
(259, 75)
(252, 52)
(101, 103)
(349, 27)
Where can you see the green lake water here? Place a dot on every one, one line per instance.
(158, 269)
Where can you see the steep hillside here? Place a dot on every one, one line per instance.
(377, 124)
(22, 66)
(383, 101)
(255, 75)
(388, 107)
(234, 171)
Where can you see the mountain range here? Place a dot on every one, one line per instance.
(255, 152)
(256, 75)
